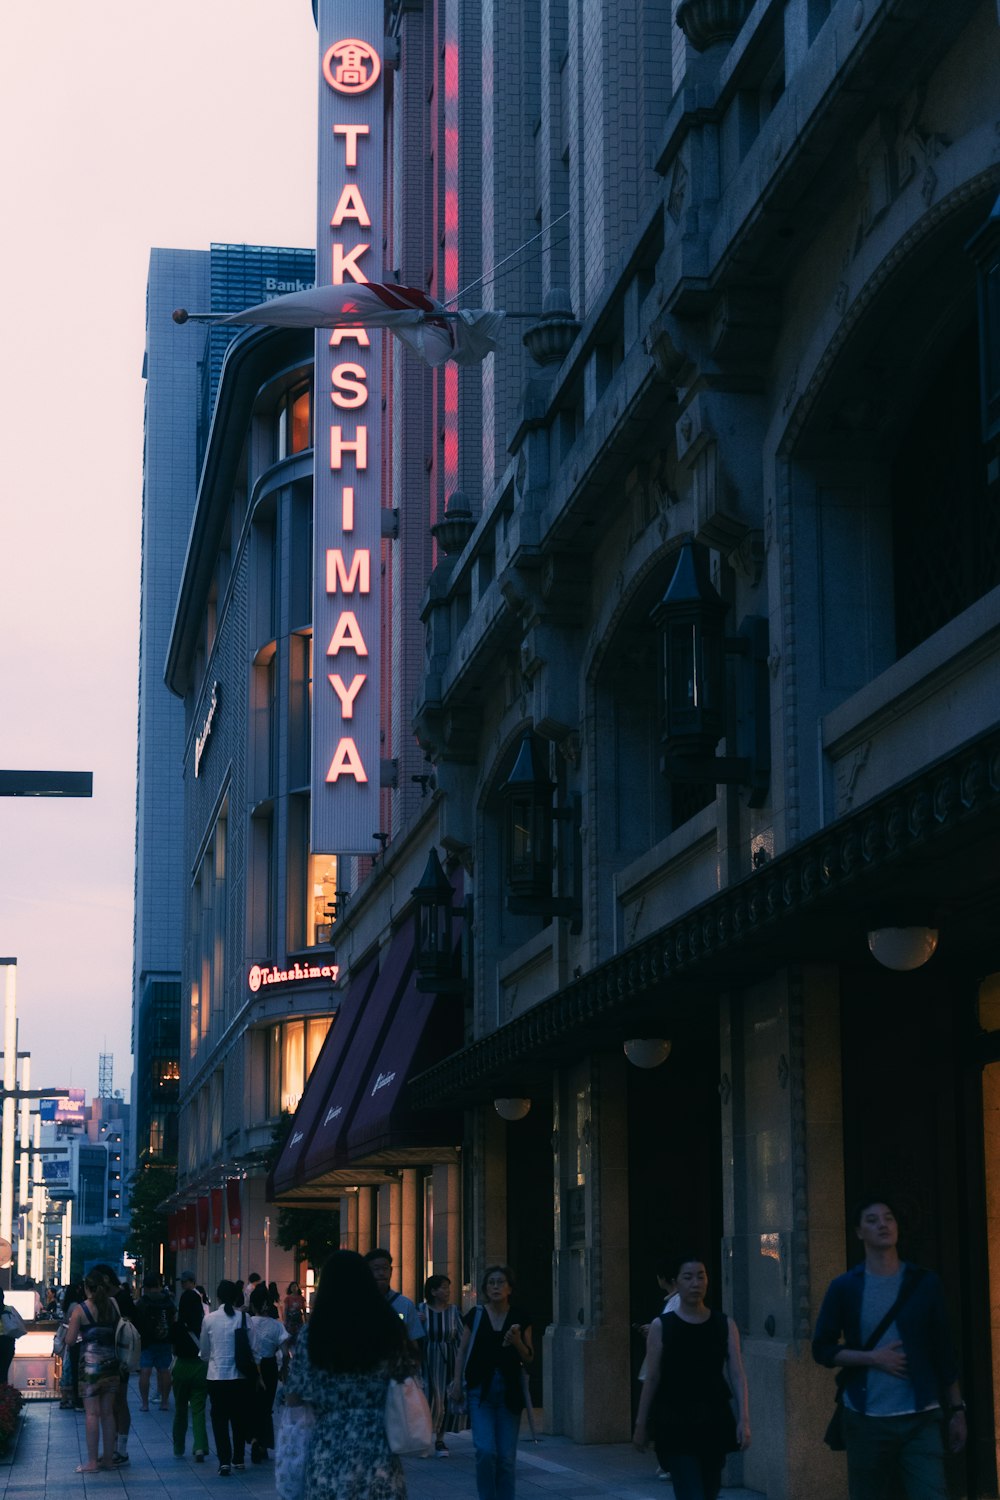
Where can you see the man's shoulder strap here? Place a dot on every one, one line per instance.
(912, 1277)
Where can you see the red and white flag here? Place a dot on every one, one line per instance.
(425, 326)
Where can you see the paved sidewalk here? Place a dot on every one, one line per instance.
(52, 1444)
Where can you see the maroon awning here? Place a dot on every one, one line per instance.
(326, 1148)
(425, 1028)
(351, 1007)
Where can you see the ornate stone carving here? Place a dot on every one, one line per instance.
(848, 771)
(706, 23)
(456, 525)
(550, 339)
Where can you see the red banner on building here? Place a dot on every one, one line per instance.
(217, 1216)
(172, 1232)
(233, 1201)
(203, 1219)
(190, 1227)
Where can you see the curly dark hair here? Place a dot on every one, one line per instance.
(352, 1327)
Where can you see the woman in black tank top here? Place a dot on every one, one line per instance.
(694, 1370)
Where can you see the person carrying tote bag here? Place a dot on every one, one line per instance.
(353, 1346)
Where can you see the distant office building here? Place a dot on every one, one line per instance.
(181, 368)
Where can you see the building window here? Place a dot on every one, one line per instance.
(293, 1047)
(293, 422)
(208, 941)
(261, 887)
(321, 889)
(300, 667)
(946, 525)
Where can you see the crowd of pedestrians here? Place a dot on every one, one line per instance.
(882, 1326)
(195, 1353)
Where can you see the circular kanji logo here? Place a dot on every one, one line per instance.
(351, 67)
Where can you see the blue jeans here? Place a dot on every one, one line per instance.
(881, 1448)
(494, 1437)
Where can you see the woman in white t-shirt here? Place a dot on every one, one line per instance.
(268, 1336)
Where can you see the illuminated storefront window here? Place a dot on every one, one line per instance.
(293, 1047)
(322, 889)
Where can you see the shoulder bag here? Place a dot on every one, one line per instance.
(13, 1323)
(833, 1437)
(408, 1425)
(243, 1355)
(128, 1344)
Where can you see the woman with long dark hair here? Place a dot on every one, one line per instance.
(94, 1321)
(344, 1359)
(231, 1394)
(495, 1348)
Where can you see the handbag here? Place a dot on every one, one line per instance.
(833, 1437)
(13, 1323)
(243, 1353)
(408, 1426)
(292, 1441)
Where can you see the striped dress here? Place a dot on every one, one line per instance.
(444, 1332)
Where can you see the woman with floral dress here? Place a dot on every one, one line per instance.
(443, 1322)
(344, 1359)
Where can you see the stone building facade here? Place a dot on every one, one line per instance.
(760, 367)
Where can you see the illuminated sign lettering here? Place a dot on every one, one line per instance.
(332, 1114)
(258, 978)
(347, 497)
(382, 1082)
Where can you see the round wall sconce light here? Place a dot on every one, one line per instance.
(647, 1052)
(903, 948)
(512, 1109)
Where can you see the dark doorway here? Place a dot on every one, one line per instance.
(913, 1133)
(530, 1208)
(675, 1172)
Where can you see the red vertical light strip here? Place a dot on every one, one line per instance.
(450, 424)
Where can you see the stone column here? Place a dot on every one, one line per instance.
(408, 1277)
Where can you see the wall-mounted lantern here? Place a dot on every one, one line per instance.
(529, 850)
(433, 942)
(693, 649)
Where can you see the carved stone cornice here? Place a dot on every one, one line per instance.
(794, 907)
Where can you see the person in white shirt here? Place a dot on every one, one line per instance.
(268, 1336)
(230, 1393)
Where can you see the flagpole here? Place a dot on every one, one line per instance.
(181, 315)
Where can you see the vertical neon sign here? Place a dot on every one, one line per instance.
(346, 747)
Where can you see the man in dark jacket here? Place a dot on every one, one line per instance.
(894, 1389)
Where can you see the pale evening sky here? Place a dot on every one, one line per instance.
(123, 125)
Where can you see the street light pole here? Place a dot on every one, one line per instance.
(9, 966)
